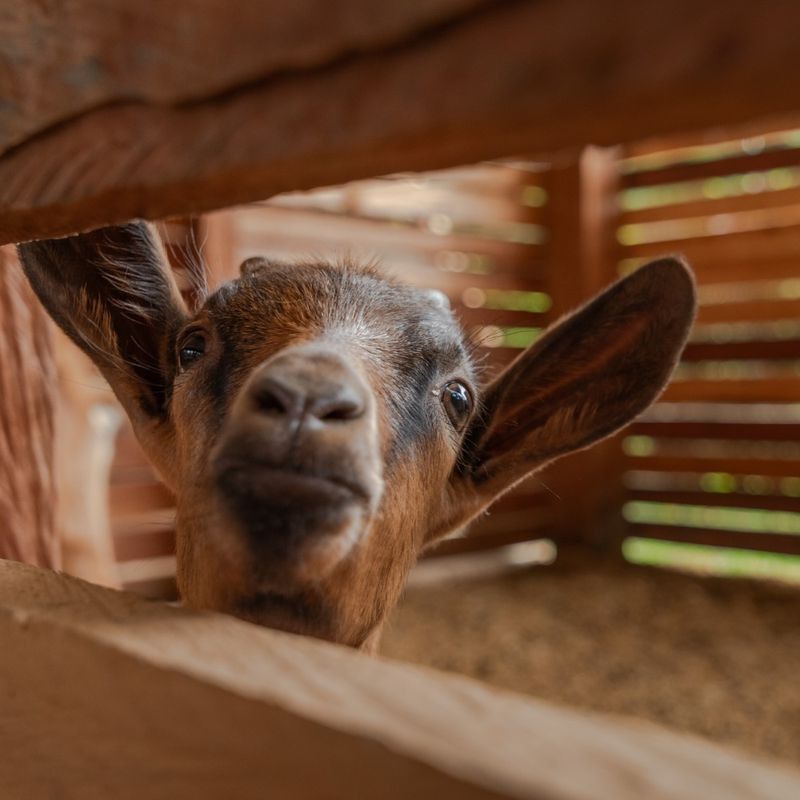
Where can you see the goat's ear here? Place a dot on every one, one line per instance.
(113, 294)
(589, 375)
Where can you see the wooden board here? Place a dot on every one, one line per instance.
(106, 695)
(28, 394)
(154, 110)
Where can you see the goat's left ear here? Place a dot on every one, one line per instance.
(113, 293)
(588, 376)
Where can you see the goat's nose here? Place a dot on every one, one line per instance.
(321, 389)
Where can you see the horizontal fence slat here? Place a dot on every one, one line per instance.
(477, 543)
(749, 311)
(504, 317)
(145, 544)
(768, 542)
(755, 201)
(774, 244)
(127, 499)
(734, 391)
(786, 349)
(717, 499)
(773, 432)
(735, 165)
(306, 232)
(732, 269)
(741, 466)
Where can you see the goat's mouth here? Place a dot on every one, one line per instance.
(295, 526)
(284, 486)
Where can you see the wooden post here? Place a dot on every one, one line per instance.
(28, 387)
(583, 209)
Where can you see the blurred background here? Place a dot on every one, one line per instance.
(542, 594)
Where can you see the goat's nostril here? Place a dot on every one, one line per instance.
(321, 400)
(341, 407)
(272, 397)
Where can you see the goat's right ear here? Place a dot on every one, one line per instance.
(113, 293)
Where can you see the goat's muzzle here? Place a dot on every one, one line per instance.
(297, 467)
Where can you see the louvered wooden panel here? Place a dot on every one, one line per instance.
(717, 461)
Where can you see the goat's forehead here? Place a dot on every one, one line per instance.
(385, 317)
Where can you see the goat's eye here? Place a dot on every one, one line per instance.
(192, 348)
(457, 403)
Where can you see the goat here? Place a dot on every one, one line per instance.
(321, 425)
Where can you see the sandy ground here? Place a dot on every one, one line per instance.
(717, 657)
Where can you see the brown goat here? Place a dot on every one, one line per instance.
(321, 425)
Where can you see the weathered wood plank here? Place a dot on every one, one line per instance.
(60, 59)
(410, 94)
(106, 695)
(28, 394)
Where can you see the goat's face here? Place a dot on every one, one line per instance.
(321, 425)
(318, 413)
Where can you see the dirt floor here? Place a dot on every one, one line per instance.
(717, 657)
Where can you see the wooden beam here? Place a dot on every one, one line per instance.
(164, 112)
(106, 695)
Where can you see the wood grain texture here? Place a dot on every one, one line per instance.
(106, 695)
(60, 59)
(27, 411)
(431, 85)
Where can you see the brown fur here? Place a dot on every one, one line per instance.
(308, 521)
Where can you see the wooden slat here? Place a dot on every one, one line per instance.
(706, 208)
(772, 432)
(679, 173)
(777, 390)
(740, 466)
(769, 542)
(266, 119)
(718, 500)
(145, 544)
(511, 319)
(754, 246)
(479, 542)
(758, 350)
(105, 695)
(733, 269)
(714, 135)
(165, 588)
(307, 231)
(131, 498)
(749, 311)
